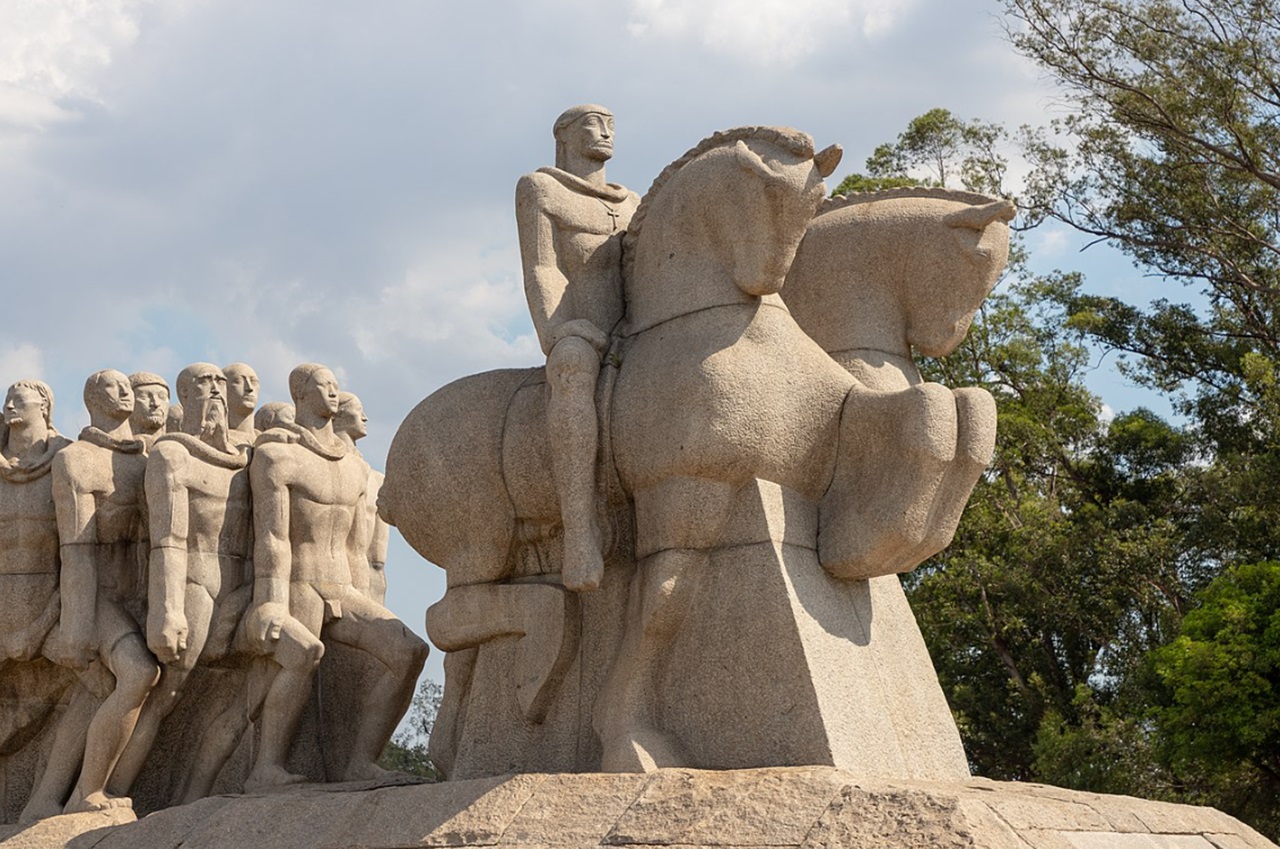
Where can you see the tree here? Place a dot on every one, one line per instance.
(936, 149)
(407, 751)
(1172, 154)
(1220, 707)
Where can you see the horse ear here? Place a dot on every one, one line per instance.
(978, 217)
(827, 159)
(751, 161)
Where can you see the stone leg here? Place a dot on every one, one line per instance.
(54, 784)
(298, 652)
(221, 738)
(162, 700)
(371, 628)
(572, 369)
(136, 674)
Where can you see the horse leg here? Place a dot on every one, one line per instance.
(678, 523)
(975, 445)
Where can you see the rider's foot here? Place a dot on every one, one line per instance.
(38, 810)
(98, 801)
(583, 563)
(369, 772)
(267, 777)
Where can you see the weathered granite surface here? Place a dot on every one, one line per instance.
(804, 807)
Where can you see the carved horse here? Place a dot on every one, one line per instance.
(716, 386)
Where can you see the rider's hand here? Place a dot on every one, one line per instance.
(583, 329)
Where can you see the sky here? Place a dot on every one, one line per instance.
(314, 180)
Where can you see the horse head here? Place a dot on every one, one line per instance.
(721, 224)
(887, 271)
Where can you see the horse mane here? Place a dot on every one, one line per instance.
(793, 141)
(959, 195)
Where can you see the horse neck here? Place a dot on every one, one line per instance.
(679, 269)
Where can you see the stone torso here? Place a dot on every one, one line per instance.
(28, 554)
(326, 498)
(587, 233)
(218, 517)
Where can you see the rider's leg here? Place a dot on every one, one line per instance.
(572, 368)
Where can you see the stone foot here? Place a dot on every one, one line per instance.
(644, 750)
(267, 778)
(583, 568)
(99, 801)
(369, 772)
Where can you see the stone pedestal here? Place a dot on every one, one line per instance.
(803, 807)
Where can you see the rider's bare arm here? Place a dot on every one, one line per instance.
(544, 282)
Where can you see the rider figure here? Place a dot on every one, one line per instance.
(571, 223)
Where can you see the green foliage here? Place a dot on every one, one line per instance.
(1222, 675)
(936, 149)
(407, 751)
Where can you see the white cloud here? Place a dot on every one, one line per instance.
(20, 362)
(55, 50)
(777, 32)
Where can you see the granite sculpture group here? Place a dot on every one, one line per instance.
(674, 548)
(142, 555)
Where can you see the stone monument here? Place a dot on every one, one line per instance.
(673, 615)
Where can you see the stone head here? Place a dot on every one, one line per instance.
(202, 392)
(28, 402)
(351, 419)
(273, 414)
(314, 390)
(150, 402)
(242, 388)
(584, 131)
(108, 394)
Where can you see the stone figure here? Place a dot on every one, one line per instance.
(570, 223)
(200, 511)
(753, 464)
(352, 425)
(173, 421)
(273, 414)
(242, 392)
(28, 526)
(30, 688)
(98, 496)
(309, 493)
(150, 405)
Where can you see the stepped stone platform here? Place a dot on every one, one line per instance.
(803, 807)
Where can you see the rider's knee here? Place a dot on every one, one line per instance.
(573, 363)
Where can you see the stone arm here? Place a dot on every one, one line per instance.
(545, 285)
(75, 508)
(358, 543)
(168, 512)
(272, 552)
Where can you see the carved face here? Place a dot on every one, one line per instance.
(150, 408)
(591, 137)
(206, 384)
(241, 389)
(112, 396)
(351, 420)
(321, 395)
(23, 406)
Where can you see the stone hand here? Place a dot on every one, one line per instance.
(71, 651)
(169, 641)
(266, 622)
(583, 329)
